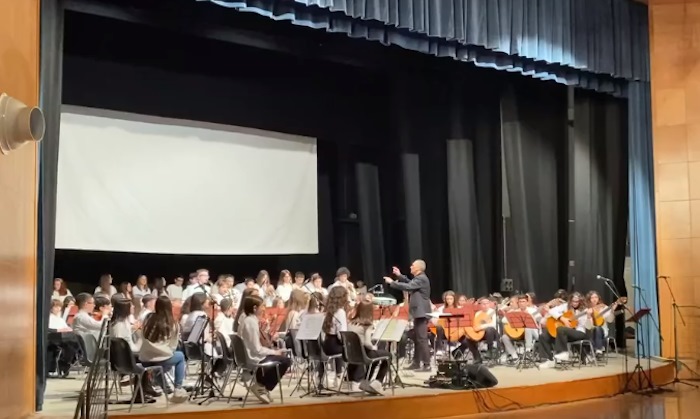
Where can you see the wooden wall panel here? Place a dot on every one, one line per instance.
(19, 77)
(675, 82)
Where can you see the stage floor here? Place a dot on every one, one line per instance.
(511, 393)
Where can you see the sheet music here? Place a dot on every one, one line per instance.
(310, 327)
(389, 330)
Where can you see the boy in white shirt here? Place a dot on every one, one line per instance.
(148, 306)
(83, 322)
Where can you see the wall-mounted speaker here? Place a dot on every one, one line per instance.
(19, 124)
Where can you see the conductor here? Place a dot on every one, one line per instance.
(418, 309)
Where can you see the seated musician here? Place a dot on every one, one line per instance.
(266, 377)
(361, 323)
(555, 349)
(448, 301)
(148, 306)
(600, 333)
(223, 323)
(297, 303)
(334, 322)
(530, 335)
(240, 315)
(159, 346)
(84, 322)
(67, 346)
(462, 301)
(487, 305)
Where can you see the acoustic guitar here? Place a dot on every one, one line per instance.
(514, 333)
(481, 319)
(598, 317)
(553, 324)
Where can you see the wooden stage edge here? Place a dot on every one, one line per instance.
(432, 406)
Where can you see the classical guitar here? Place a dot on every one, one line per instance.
(598, 317)
(481, 319)
(553, 324)
(514, 333)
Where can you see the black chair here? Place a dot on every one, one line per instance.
(317, 357)
(227, 357)
(355, 354)
(123, 363)
(245, 365)
(88, 349)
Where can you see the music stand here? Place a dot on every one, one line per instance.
(391, 332)
(522, 320)
(310, 331)
(462, 319)
(642, 375)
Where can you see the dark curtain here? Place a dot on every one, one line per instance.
(412, 205)
(370, 217)
(600, 190)
(587, 43)
(326, 234)
(467, 261)
(50, 101)
(534, 133)
(642, 218)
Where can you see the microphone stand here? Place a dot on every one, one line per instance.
(677, 362)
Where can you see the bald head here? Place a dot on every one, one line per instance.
(417, 267)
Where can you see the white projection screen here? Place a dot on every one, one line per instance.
(135, 183)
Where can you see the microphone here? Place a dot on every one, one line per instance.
(602, 278)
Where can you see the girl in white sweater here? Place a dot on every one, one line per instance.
(159, 346)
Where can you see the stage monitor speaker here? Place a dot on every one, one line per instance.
(481, 376)
(19, 124)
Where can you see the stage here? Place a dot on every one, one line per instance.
(516, 390)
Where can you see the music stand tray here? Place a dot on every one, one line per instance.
(522, 320)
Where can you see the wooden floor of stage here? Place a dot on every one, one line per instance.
(516, 390)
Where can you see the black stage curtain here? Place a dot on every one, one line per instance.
(50, 102)
(412, 204)
(467, 261)
(600, 190)
(371, 230)
(534, 133)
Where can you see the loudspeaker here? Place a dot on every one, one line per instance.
(481, 376)
(19, 124)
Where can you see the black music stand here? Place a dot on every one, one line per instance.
(522, 320)
(463, 319)
(638, 369)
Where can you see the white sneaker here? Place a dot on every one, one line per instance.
(259, 392)
(377, 386)
(547, 364)
(355, 387)
(179, 396)
(562, 356)
(599, 352)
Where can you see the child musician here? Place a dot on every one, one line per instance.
(161, 335)
(83, 322)
(531, 335)
(67, 345)
(334, 322)
(266, 377)
(362, 324)
(122, 327)
(600, 333)
(556, 349)
(487, 305)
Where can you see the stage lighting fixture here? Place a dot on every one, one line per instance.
(19, 124)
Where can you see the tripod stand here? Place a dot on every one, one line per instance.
(677, 363)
